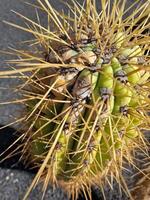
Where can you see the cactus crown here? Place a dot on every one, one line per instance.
(86, 96)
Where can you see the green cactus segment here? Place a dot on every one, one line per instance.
(41, 131)
(88, 140)
(105, 86)
(79, 159)
(81, 90)
(123, 96)
(119, 39)
(38, 148)
(88, 47)
(104, 151)
(106, 77)
(98, 101)
(116, 65)
(134, 77)
(59, 155)
(131, 52)
(87, 147)
(131, 134)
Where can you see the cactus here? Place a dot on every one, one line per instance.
(87, 96)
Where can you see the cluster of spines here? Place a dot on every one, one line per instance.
(94, 113)
(86, 108)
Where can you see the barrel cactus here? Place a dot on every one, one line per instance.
(86, 96)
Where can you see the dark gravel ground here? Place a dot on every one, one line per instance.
(14, 182)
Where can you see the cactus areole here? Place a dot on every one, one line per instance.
(87, 93)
